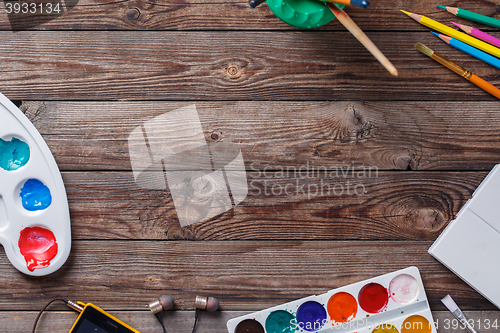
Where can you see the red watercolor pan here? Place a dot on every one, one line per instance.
(373, 298)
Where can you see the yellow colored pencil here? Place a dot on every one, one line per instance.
(479, 44)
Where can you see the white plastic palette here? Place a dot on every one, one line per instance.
(411, 315)
(14, 217)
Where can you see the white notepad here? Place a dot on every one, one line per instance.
(470, 244)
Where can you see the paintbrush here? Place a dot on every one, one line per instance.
(486, 86)
(455, 310)
(361, 37)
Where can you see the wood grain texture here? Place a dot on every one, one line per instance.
(383, 15)
(228, 66)
(243, 275)
(392, 206)
(386, 135)
(182, 321)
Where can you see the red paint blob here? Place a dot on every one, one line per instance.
(373, 298)
(38, 246)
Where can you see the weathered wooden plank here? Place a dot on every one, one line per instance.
(243, 275)
(228, 66)
(385, 135)
(392, 206)
(182, 321)
(231, 15)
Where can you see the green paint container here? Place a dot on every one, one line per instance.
(305, 14)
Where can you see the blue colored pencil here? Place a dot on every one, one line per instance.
(495, 62)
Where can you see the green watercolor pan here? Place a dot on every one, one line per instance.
(392, 303)
(305, 14)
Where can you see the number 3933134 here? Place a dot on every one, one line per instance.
(26, 14)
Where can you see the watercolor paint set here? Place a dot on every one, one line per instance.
(390, 303)
(35, 228)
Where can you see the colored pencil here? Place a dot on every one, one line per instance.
(479, 44)
(486, 86)
(359, 3)
(472, 16)
(479, 34)
(361, 37)
(255, 3)
(470, 50)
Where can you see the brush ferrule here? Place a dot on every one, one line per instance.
(461, 317)
(467, 75)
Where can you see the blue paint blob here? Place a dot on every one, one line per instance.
(35, 195)
(280, 322)
(14, 154)
(311, 316)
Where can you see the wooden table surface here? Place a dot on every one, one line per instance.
(287, 98)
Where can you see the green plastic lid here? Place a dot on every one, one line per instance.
(305, 14)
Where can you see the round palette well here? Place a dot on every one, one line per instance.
(305, 14)
(280, 321)
(35, 195)
(14, 153)
(249, 326)
(342, 307)
(311, 316)
(385, 328)
(404, 289)
(38, 245)
(416, 324)
(373, 298)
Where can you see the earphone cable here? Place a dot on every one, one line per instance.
(45, 307)
(157, 315)
(196, 314)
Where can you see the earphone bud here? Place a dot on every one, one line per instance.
(165, 302)
(210, 304)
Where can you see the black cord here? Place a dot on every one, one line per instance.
(157, 315)
(45, 307)
(197, 312)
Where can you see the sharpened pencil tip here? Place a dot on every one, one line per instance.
(407, 13)
(457, 24)
(442, 7)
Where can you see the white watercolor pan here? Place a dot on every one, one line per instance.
(390, 303)
(38, 221)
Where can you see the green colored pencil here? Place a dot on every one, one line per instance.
(472, 16)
